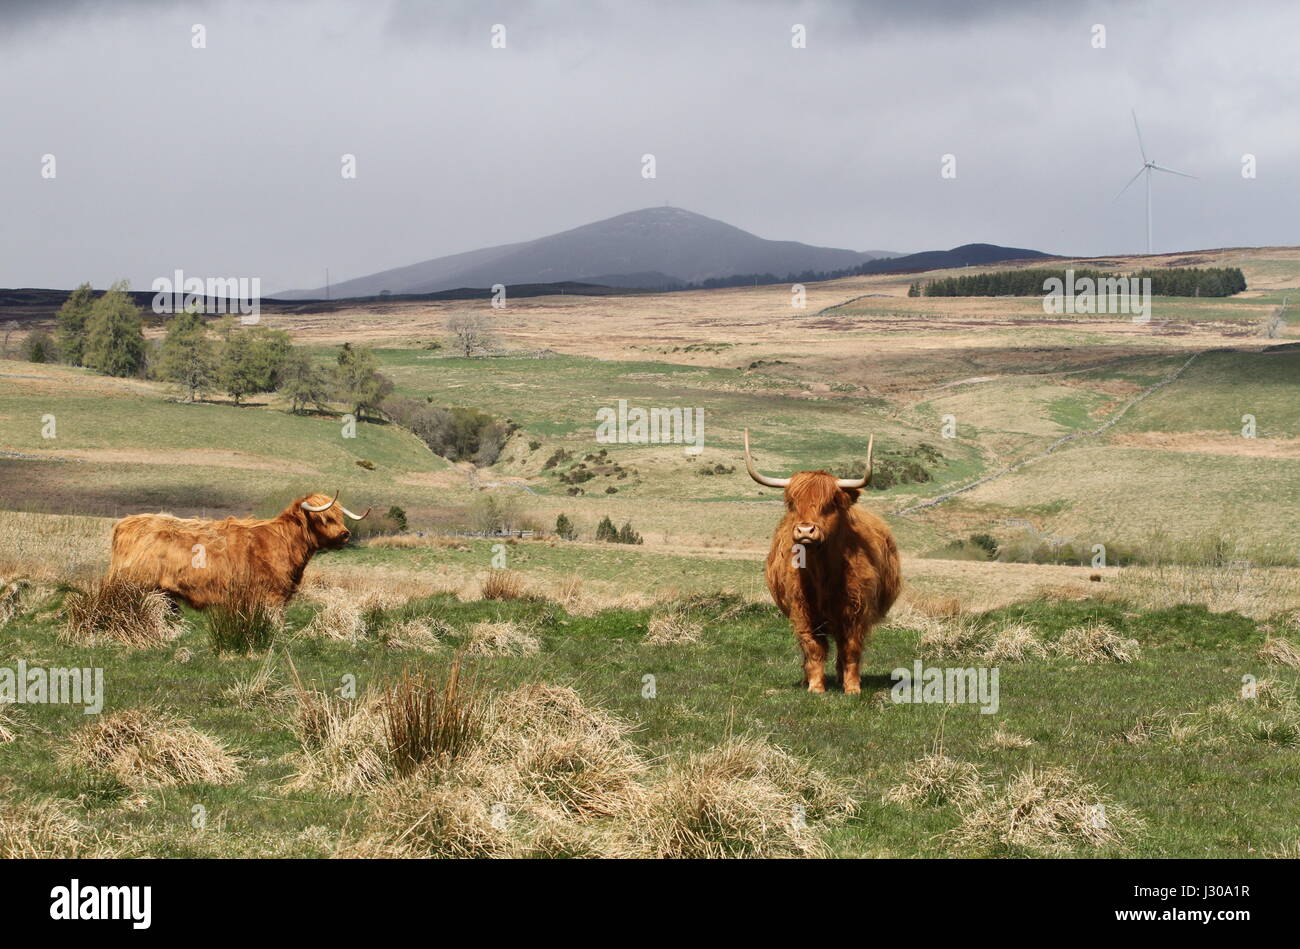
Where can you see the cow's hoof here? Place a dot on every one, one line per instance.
(852, 689)
(816, 687)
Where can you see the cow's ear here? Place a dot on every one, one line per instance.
(851, 494)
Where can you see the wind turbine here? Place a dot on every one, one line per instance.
(1147, 167)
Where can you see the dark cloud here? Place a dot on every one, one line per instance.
(226, 160)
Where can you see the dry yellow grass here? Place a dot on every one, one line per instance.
(45, 830)
(673, 628)
(118, 611)
(149, 749)
(1045, 811)
(1096, 642)
(504, 638)
(935, 780)
(1281, 650)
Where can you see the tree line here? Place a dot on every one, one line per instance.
(1172, 282)
(201, 357)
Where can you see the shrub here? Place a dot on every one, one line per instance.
(398, 517)
(564, 528)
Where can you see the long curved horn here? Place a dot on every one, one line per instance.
(865, 479)
(315, 509)
(355, 517)
(753, 472)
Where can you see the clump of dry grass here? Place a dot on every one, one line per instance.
(1281, 650)
(1288, 851)
(43, 829)
(673, 628)
(1003, 739)
(347, 615)
(935, 780)
(1097, 642)
(426, 722)
(1015, 642)
(11, 723)
(573, 755)
(411, 541)
(536, 777)
(14, 595)
(745, 798)
(955, 637)
(545, 774)
(964, 636)
(119, 611)
(417, 633)
(150, 748)
(502, 585)
(1045, 812)
(344, 750)
(261, 689)
(503, 638)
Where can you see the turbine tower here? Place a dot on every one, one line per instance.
(1148, 166)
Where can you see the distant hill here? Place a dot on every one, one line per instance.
(655, 248)
(965, 255)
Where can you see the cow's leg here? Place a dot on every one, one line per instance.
(848, 657)
(813, 644)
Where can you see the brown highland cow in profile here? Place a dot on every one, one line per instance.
(201, 562)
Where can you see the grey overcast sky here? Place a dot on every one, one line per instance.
(225, 161)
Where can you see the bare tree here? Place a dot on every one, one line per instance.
(470, 333)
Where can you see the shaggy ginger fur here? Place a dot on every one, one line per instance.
(849, 579)
(157, 550)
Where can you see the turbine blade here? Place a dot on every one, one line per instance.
(1142, 148)
(1130, 183)
(1170, 170)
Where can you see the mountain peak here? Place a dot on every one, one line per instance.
(673, 243)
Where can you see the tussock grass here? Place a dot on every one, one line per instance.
(958, 637)
(12, 723)
(1003, 739)
(44, 829)
(1281, 650)
(1096, 642)
(502, 638)
(262, 689)
(344, 750)
(575, 756)
(15, 595)
(425, 635)
(1046, 812)
(424, 721)
(245, 621)
(348, 615)
(935, 780)
(502, 585)
(967, 637)
(1015, 642)
(1272, 715)
(118, 611)
(745, 798)
(545, 774)
(148, 749)
(672, 629)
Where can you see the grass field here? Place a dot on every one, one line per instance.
(1156, 734)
